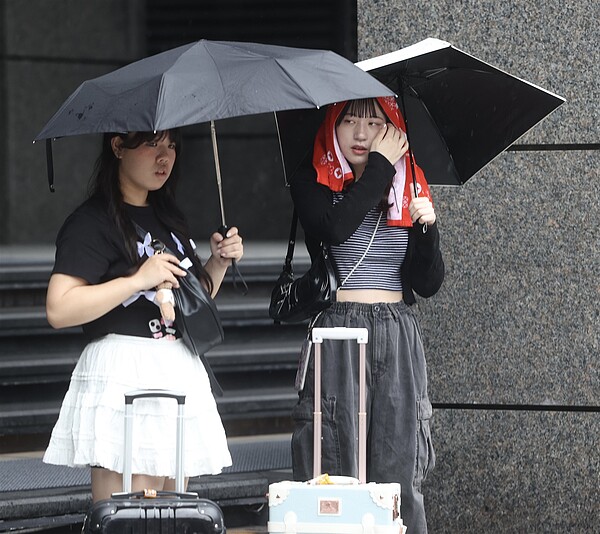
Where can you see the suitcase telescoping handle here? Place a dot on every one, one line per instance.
(152, 394)
(361, 335)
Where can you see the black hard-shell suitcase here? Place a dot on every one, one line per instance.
(152, 511)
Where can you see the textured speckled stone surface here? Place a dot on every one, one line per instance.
(517, 321)
(510, 471)
(553, 44)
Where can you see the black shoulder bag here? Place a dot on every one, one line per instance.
(293, 301)
(197, 316)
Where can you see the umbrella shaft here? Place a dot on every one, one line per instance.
(213, 134)
(285, 178)
(410, 152)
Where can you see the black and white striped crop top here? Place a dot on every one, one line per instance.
(380, 269)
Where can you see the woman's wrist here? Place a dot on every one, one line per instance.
(216, 267)
(219, 262)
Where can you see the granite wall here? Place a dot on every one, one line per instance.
(513, 337)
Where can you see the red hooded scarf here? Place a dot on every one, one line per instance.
(334, 171)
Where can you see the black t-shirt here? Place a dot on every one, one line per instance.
(89, 246)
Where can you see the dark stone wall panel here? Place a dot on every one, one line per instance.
(504, 471)
(517, 319)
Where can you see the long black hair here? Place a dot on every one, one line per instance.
(366, 108)
(106, 185)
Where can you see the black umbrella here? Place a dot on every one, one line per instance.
(460, 112)
(206, 81)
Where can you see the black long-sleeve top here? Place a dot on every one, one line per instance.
(323, 221)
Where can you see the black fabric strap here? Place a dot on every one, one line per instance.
(234, 268)
(50, 164)
(292, 240)
(235, 271)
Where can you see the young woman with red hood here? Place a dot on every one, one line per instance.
(357, 196)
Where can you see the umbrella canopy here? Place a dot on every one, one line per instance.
(206, 81)
(461, 112)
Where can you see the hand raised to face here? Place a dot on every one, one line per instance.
(391, 143)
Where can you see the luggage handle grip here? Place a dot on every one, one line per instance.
(340, 332)
(154, 393)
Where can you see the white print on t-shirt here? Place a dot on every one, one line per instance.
(145, 249)
(161, 329)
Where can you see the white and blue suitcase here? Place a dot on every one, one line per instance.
(336, 504)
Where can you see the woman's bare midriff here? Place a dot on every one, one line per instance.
(368, 296)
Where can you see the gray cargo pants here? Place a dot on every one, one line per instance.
(399, 445)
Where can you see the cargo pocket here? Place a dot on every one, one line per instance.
(302, 439)
(425, 460)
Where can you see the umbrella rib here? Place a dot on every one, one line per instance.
(215, 65)
(291, 77)
(162, 90)
(159, 101)
(428, 75)
(285, 178)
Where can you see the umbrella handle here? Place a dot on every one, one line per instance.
(223, 229)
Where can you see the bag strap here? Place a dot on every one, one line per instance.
(364, 253)
(142, 235)
(291, 242)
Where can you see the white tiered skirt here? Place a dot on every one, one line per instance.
(90, 427)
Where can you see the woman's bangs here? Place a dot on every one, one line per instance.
(138, 138)
(365, 108)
